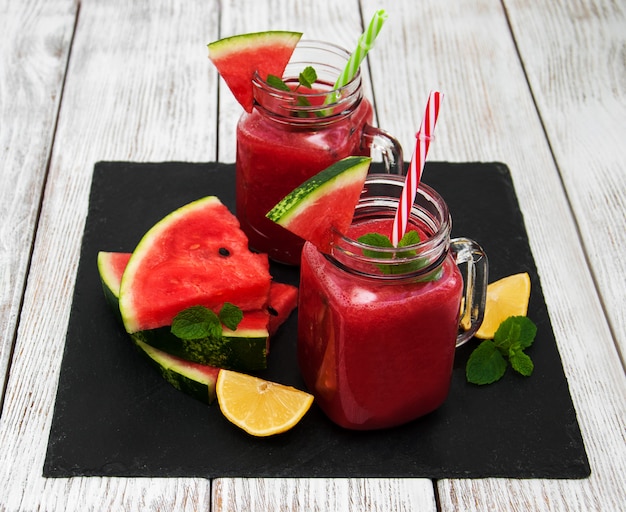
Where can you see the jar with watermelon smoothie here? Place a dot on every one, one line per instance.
(378, 327)
(292, 135)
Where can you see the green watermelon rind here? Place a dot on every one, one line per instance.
(242, 350)
(339, 175)
(253, 40)
(193, 382)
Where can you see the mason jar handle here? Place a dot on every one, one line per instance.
(379, 141)
(470, 255)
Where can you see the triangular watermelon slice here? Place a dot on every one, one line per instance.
(195, 256)
(237, 58)
(324, 205)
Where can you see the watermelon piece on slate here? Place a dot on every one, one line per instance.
(238, 57)
(195, 256)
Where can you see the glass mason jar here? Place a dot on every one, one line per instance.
(290, 136)
(378, 327)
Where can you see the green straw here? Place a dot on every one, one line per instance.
(364, 45)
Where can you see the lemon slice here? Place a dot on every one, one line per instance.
(506, 297)
(260, 407)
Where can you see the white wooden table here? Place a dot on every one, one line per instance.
(538, 85)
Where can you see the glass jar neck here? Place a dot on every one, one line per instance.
(420, 261)
(303, 106)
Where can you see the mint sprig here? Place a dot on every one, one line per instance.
(489, 361)
(409, 238)
(198, 322)
(230, 315)
(277, 83)
(306, 78)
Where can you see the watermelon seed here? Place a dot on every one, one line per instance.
(224, 252)
(272, 311)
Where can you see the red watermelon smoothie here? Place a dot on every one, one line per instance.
(283, 142)
(377, 348)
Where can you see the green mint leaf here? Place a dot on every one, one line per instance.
(303, 101)
(514, 330)
(409, 238)
(278, 83)
(195, 323)
(308, 77)
(521, 363)
(485, 365)
(490, 358)
(528, 331)
(230, 315)
(376, 240)
(507, 334)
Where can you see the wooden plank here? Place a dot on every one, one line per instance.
(465, 49)
(575, 57)
(35, 38)
(137, 89)
(328, 495)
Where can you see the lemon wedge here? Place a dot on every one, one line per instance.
(505, 297)
(260, 407)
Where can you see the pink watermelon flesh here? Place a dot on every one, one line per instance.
(320, 234)
(118, 261)
(283, 298)
(197, 255)
(331, 214)
(113, 264)
(237, 58)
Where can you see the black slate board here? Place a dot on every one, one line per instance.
(115, 416)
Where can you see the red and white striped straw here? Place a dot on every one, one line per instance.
(416, 167)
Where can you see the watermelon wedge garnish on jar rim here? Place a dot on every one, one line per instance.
(238, 58)
(324, 205)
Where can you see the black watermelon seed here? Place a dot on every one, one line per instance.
(272, 311)
(224, 252)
